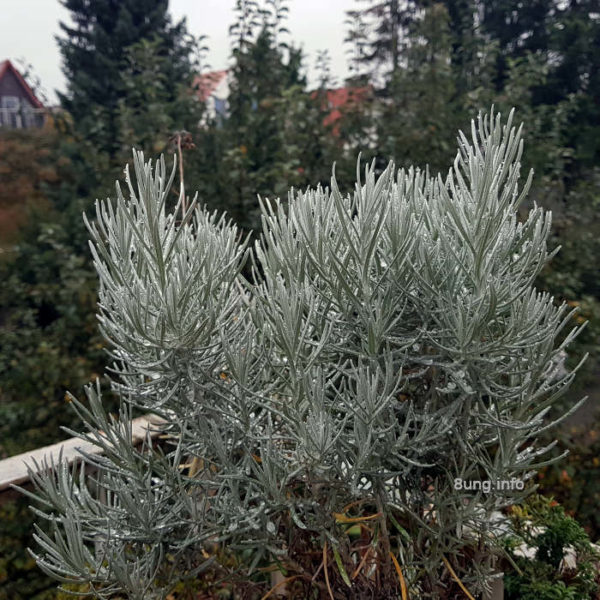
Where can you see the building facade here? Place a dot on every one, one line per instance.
(19, 107)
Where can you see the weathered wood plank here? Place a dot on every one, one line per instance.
(13, 470)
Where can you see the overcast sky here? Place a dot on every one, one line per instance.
(28, 27)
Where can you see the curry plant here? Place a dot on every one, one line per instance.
(388, 350)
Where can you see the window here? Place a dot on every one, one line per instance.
(10, 102)
(220, 106)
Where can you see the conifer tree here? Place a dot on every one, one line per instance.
(518, 27)
(265, 68)
(383, 36)
(466, 42)
(153, 108)
(419, 117)
(94, 50)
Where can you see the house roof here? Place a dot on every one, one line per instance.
(207, 83)
(5, 67)
(337, 99)
(340, 97)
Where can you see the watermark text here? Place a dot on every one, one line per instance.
(488, 486)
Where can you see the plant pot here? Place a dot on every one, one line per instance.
(497, 588)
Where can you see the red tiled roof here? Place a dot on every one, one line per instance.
(5, 67)
(207, 83)
(341, 97)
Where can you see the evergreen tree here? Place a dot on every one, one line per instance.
(152, 108)
(518, 27)
(562, 37)
(257, 160)
(307, 133)
(358, 43)
(382, 39)
(466, 42)
(417, 121)
(95, 50)
(576, 72)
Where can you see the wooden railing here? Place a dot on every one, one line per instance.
(22, 118)
(13, 470)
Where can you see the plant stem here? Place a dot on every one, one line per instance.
(386, 548)
(182, 185)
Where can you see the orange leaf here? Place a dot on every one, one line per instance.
(344, 519)
(400, 577)
(455, 577)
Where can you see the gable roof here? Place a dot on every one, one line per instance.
(207, 83)
(5, 67)
(335, 100)
(340, 98)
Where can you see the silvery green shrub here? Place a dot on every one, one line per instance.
(388, 344)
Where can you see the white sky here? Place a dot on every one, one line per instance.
(28, 27)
